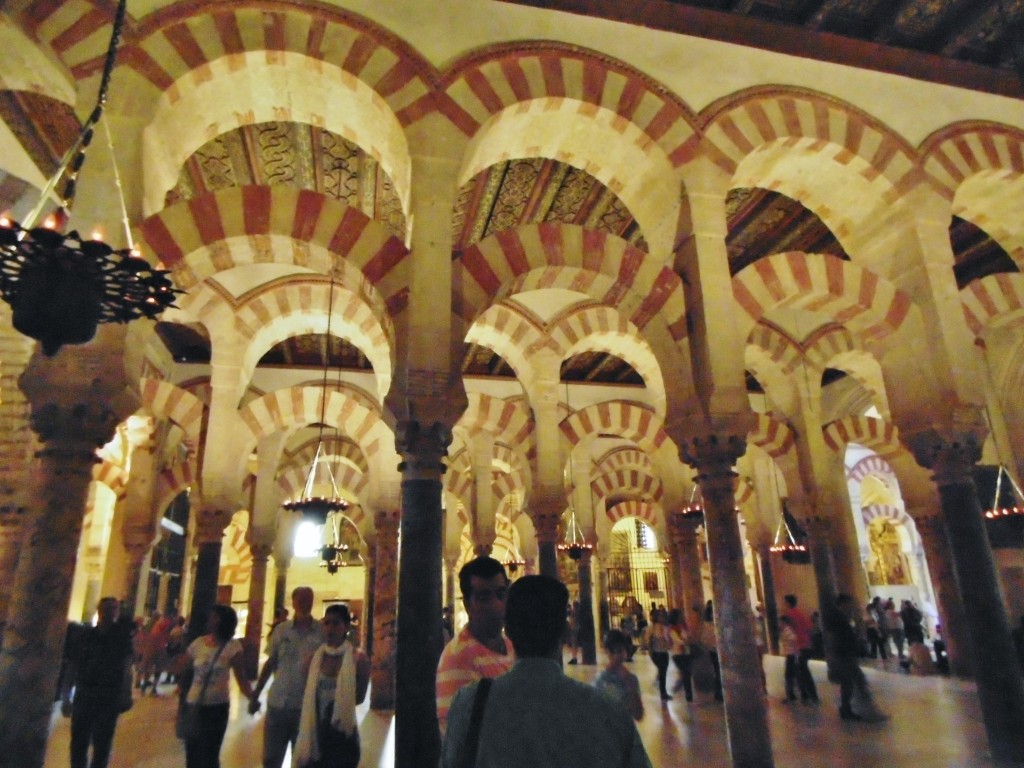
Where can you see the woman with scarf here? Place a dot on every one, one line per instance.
(339, 675)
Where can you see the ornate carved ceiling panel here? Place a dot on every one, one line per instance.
(297, 155)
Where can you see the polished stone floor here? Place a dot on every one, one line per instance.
(935, 723)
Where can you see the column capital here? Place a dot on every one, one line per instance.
(422, 448)
(545, 524)
(210, 525)
(386, 520)
(261, 552)
(710, 454)
(682, 526)
(951, 455)
(73, 430)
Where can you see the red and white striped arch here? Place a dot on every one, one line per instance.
(283, 310)
(795, 121)
(488, 82)
(873, 465)
(880, 436)
(173, 480)
(624, 457)
(346, 408)
(511, 332)
(168, 401)
(339, 451)
(647, 511)
(634, 481)
(111, 475)
(771, 435)
(628, 420)
(960, 151)
(887, 512)
(979, 168)
(600, 265)
(459, 482)
(993, 301)
(239, 226)
(868, 305)
(509, 420)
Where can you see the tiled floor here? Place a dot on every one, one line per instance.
(935, 723)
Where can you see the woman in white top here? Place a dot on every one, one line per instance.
(212, 658)
(337, 680)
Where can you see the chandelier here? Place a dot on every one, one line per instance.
(793, 552)
(997, 511)
(59, 285)
(313, 507)
(340, 553)
(574, 544)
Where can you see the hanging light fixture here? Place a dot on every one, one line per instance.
(340, 553)
(996, 511)
(313, 507)
(59, 285)
(695, 509)
(574, 544)
(513, 561)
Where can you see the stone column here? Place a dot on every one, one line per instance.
(819, 534)
(951, 459)
(451, 579)
(369, 596)
(767, 587)
(545, 525)
(951, 607)
(746, 711)
(417, 739)
(137, 548)
(385, 593)
(257, 593)
(683, 529)
(70, 432)
(586, 614)
(209, 537)
(281, 584)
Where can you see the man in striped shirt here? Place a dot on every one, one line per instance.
(481, 648)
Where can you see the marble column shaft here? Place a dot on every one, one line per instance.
(419, 638)
(254, 620)
(951, 608)
(685, 532)
(281, 585)
(37, 616)
(819, 532)
(385, 594)
(988, 630)
(746, 710)
(546, 527)
(209, 541)
(585, 618)
(768, 599)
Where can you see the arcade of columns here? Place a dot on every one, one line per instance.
(667, 126)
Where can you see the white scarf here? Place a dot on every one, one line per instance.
(343, 718)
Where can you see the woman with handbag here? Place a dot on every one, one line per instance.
(338, 677)
(203, 718)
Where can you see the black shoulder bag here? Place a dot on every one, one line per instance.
(476, 719)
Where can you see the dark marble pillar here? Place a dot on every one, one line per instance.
(767, 589)
(746, 710)
(683, 529)
(545, 524)
(254, 621)
(951, 459)
(819, 532)
(209, 540)
(37, 615)
(587, 642)
(385, 595)
(281, 597)
(951, 607)
(419, 641)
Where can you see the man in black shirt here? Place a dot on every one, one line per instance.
(99, 661)
(842, 651)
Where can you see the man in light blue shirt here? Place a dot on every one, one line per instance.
(534, 715)
(292, 645)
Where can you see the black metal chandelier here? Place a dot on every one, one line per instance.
(60, 285)
(313, 507)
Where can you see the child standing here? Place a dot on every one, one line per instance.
(790, 648)
(615, 680)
